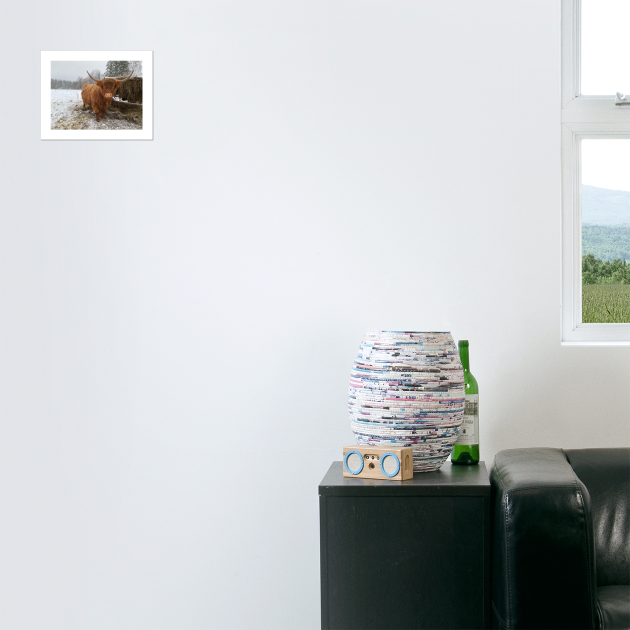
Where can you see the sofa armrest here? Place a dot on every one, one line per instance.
(543, 565)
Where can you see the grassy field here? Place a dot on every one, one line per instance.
(605, 303)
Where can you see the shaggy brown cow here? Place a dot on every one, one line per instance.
(98, 96)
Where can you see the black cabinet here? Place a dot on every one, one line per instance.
(406, 554)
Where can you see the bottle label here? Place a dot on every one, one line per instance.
(469, 431)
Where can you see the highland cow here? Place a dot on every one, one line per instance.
(98, 96)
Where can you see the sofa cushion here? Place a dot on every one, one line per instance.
(613, 607)
(606, 475)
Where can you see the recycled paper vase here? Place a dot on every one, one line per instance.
(407, 389)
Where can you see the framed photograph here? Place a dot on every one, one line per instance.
(97, 95)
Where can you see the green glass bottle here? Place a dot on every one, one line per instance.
(466, 449)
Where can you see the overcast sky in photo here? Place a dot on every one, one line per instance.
(71, 70)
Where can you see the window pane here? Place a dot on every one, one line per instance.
(605, 48)
(605, 231)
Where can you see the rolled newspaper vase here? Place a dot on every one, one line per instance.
(407, 389)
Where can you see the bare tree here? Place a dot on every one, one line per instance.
(96, 74)
(136, 66)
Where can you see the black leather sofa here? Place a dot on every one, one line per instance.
(561, 540)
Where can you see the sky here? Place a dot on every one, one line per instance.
(606, 163)
(605, 59)
(605, 54)
(71, 70)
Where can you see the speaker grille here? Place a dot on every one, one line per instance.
(390, 464)
(354, 462)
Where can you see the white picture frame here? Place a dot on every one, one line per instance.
(146, 133)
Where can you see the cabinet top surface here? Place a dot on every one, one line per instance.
(449, 480)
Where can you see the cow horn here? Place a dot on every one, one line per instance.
(91, 77)
(129, 77)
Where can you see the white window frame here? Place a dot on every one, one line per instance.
(582, 117)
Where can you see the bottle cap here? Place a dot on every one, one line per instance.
(463, 342)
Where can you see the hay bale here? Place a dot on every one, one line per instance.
(127, 111)
(126, 107)
(131, 90)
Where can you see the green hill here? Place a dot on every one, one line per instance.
(606, 242)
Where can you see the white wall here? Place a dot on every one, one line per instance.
(179, 317)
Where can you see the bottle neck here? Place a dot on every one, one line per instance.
(463, 354)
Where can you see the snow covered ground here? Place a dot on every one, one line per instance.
(67, 112)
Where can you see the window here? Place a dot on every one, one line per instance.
(595, 170)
